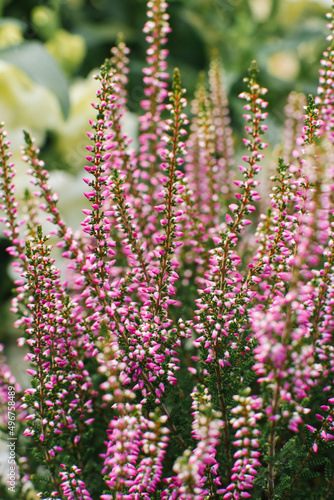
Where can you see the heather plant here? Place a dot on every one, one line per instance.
(186, 350)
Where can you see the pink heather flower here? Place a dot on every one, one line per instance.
(244, 470)
(192, 468)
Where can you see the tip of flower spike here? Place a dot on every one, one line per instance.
(253, 70)
(176, 80)
(27, 138)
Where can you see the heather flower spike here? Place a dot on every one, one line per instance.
(185, 340)
(325, 89)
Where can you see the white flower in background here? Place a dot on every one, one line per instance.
(261, 9)
(68, 49)
(284, 65)
(10, 33)
(25, 105)
(70, 143)
(71, 135)
(29, 106)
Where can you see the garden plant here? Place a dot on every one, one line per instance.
(182, 345)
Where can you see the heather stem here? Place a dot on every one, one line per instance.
(222, 406)
(297, 473)
(8, 203)
(302, 465)
(155, 86)
(312, 449)
(330, 487)
(172, 158)
(272, 439)
(127, 227)
(166, 412)
(254, 106)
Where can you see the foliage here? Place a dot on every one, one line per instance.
(180, 355)
(79, 33)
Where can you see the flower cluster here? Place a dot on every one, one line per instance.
(72, 486)
(247, 455)
(189, 338)
(197, 469)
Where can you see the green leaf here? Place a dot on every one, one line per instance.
(27, 138)
(40, 66)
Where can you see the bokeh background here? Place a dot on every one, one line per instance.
(49, 51)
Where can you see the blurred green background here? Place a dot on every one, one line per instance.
(49, 49)
(285, 36)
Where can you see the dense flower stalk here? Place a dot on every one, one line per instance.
(72, 486)
(325, 89)
(197, 469)
(244, 469)
(156, 30)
